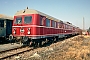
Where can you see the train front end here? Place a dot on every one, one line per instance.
(20, 30)
(23, 27)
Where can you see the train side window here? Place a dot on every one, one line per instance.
(1, 23)
(61, 25)
(42, 18)
(47, 22)
(41, 21)
(53, 24)
(66, 26)
(58, 25)
(27, 19)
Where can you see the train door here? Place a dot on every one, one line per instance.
(61, 26)
(2, 28)
(8, 27)
(42, 23)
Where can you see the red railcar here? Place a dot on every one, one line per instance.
(32, 24)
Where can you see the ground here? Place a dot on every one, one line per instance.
(75, 48)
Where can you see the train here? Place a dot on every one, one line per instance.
(5, 27)
(33, 27)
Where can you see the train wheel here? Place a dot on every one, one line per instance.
(31, 43)
(34, 44)
(55, 39)
(52, 40)
(46, 40)
(20, 42)
(40, 44)
(37, 44)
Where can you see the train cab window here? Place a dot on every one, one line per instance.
(1, 23)
(18, 20)
(47, 23)
(27, 19)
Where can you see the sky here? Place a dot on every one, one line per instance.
(72, 11)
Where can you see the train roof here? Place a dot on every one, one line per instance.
(2, 16)
(67, 23)
(32, 11)
(70, 24)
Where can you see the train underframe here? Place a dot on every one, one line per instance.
(4, 39)
(25, 40)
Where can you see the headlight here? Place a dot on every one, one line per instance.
(14, 31)
(28, 32)
(21, 30)
(28, 29)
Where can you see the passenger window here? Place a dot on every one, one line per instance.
(41, 21)
(18, 20)
(27, 19)
(61, 25)
(42, 18)
(1, 23)
(53, 24)
(58, 25)
(47, 23)
(65, 26)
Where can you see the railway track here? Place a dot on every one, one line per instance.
(13, 52)
(16, 51)
(10, 49)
